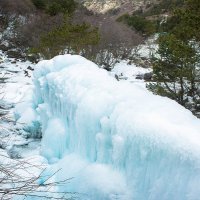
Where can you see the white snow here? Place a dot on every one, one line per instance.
(149, 48)
(116, 139)
(125, 71)
(16, 96)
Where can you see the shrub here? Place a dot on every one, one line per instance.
(68, 37)
(61, 6)
(54, 9)
(39, 4)
(163, 6)
(139, 23)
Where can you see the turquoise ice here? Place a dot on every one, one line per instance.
(116, 139)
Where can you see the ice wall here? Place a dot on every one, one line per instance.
(116, 139)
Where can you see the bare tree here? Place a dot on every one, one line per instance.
(16, 179)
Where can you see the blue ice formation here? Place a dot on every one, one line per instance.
(116, 139)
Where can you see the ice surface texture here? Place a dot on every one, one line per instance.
(116, 139)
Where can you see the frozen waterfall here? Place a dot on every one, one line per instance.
(116, 139)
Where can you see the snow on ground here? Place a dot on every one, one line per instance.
(17, 83)
(149, 48)
(16, 93)
(116, 139)
(19, 155)
(130, 73)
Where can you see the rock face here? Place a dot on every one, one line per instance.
(103, 6)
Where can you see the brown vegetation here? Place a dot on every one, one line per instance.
(20, 7)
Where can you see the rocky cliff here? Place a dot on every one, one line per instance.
(103, 6)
